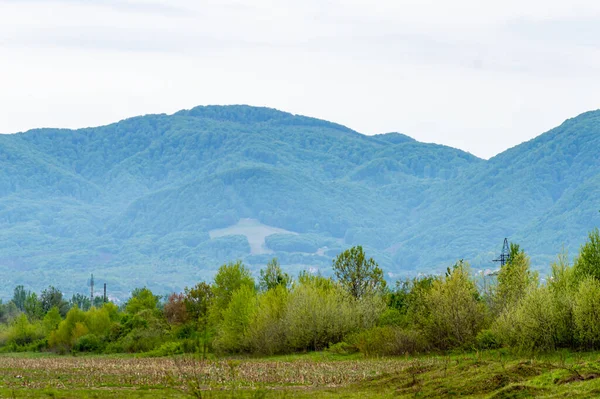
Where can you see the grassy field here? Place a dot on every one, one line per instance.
(491, 374)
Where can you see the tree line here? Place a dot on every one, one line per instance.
(355, 310)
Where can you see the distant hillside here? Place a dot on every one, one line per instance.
(163, 200)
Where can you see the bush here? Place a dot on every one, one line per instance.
(233, 332)
(453, 314)
(167, 349)
(586, 313)
(514, 280)
(318, 313)
(389, 341)
(342, 348)
(267, 333)
(88, 343)
(487, 339)
(563, 285)
(22, 332)
(141, 340)
(532, 326)
(392, 317)
(588, 261)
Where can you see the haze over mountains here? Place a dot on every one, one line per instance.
(164, 200)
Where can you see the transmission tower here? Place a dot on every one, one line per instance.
(505, 255)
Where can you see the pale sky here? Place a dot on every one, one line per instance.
(478, 75)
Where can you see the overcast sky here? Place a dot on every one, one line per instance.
(478, 75)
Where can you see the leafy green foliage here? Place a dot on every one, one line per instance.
(229, 279)
(313, 312)
(514, 280)
(359, 275)
(272, 276)
(52, 297)
(588, 261)
(233, 329)
(141, 299)
(455, 313)
(586, 313)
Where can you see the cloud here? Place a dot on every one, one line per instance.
(477, 75)
(146, 7)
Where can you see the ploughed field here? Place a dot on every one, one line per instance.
(493, 374)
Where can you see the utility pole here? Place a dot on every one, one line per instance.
(104, 299)
(92, 290)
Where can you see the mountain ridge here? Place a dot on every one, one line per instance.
(117, 199)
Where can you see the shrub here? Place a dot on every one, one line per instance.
(388, 341)
(88, 343)
(141, 340)
(69, 330)
(588, 261)
(266, 332)
(532, 325)
(487, 339)
(563, 286)
(586, 313)
(167, 349)
(392, 317)
(514, 280)
(342, 348)
(454, 315)
(233, 330)
(318, 313)
(22, 332)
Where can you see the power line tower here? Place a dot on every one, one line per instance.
(92, 290)
(504, 257)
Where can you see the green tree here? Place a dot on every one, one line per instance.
(198, 301)
(273, 276)
(141, 299)
(588, 261)
(22, 332)
(51, 297)
(69, 330)
(586, 313)
(229, 278)
(266, 332)
(358, 274)
(408, 297)
(514, 279)
(98, 321)
(318, 313)
(233, 331)
(8, 311)
(33, 307)
(83, 302)
(51, 320)
(19, 297)
(563, 286)
(454, 314)
(532, 325)
(98, 301)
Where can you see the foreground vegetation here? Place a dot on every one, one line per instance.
(505, 335)
(353, 312)
(488, 374)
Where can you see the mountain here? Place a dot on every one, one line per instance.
(163, 200)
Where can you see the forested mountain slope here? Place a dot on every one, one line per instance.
(140, 202)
